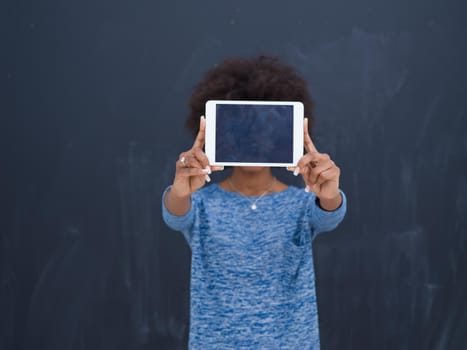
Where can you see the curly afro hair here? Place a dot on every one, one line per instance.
(262, 78)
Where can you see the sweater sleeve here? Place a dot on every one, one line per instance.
(183, 223)
(323, 220)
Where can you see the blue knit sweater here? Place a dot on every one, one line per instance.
(252, 275)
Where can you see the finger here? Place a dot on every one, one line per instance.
(306, 176)
(294, 169)
(217, 168)
(182, 160)
(200, 138)
(312, 159)
(189, 161)
(302, 164)
(188, 172)
(308, 143)
(328, 175)
(323, 166)
(193, 162)
(201, 158)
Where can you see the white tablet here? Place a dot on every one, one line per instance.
(254, 133)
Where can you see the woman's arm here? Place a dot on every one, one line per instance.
(191, 173)
(320, 173)
(176, 205)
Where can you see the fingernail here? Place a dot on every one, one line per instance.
(296, 171)
(307, 189)
(208, 179)
(221, 167)
(208, 169)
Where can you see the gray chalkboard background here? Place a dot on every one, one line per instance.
(94, 98)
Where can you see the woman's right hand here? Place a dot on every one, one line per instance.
(192, 169)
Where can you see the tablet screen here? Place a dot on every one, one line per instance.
(254, 133)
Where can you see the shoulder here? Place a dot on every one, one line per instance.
(209, 191)
(299, 194)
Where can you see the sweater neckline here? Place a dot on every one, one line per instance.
(273, 194)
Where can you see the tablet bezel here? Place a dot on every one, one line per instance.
(210, 141)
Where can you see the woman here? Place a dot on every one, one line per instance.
(252, 275)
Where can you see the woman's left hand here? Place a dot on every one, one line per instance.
(320, 173)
